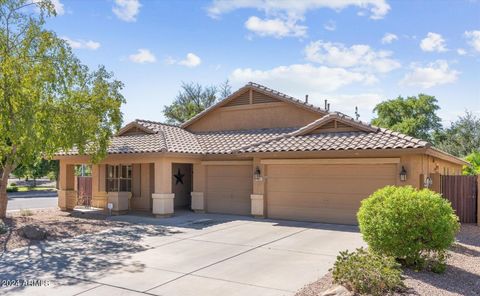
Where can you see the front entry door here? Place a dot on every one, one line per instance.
(84, 190)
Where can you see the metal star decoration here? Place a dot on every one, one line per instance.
(179, 177)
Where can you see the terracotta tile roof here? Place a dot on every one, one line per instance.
(382, 139)
(175, 138)
(225, 142)
(142, 136)
(170, 138)
(131, 144)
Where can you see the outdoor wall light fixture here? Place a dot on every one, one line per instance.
(428, 182)
(403, 174)
(258, 174)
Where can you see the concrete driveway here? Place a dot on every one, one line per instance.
(189, 254)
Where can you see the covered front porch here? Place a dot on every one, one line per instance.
(123, 184)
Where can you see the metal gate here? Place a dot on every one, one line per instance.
(84, 191)
(462, 192)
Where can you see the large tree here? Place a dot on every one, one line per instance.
(192, 99)
(49, 101)
(462, 137)
(414, 116)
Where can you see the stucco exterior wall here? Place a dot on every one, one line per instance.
(268, 115)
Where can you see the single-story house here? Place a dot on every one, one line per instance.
(258, 152)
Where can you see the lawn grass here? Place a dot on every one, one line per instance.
(26, 188)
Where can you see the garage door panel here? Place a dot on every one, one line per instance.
(230, 171)
(329, 171)
(314, 200)
(229, 183)
(312, 214)
(229, 189)
(358, 185)
(323, 193)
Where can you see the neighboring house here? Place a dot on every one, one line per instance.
(258, 152)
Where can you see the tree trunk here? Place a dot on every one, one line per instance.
(3, 191)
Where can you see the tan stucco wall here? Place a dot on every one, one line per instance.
(159, 168)
(269, 115)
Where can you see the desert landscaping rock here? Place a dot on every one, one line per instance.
(338, 290)
(33, 232)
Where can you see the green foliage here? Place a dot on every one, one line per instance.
(193, 99)
(49, 101)
(413, 116)
(3, 227)
(368, 273)
(414, 226)
(36, 170)
(462, 137)
(474, 167)
(12, 188)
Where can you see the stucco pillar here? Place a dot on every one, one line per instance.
(99, 193)
(198, 196)
(67, 196)
(257, 197)
(162, 199)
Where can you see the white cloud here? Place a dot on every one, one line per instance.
(461, 51)
(330, 26)
(359, 56)
(389, 38)
(143, 56)
(297, 9)
(127, 10)
(191, 60)
(275, 27)
(301, 77)
(82, 44)
(473, 38)
(433, 42)
(433, 74)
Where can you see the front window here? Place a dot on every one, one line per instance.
(119, 178)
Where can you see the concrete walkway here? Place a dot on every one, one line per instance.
(189, 254)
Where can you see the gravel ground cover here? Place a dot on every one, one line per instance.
(58, 224)
(462, 276)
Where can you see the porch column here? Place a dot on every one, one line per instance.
(198, 197)
(257, 200)
(162, 199)
(67, 195)
(99, 192)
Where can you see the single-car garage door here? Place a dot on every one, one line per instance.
(229, 188)
(325, 192)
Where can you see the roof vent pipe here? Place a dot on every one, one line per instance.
(306, 99)
(325, 104)
(328, 107)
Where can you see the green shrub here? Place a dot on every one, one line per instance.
(414, 226)
(3, 227)
(13, 184)
(12, 189)
(365, 272)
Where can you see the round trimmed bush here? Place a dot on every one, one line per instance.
(411, 225)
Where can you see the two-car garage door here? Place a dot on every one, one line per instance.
(323, 192)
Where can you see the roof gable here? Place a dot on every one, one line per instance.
(334, 122)
(255, 94)
(134, 128)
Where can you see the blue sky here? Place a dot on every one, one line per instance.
(351, 52)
